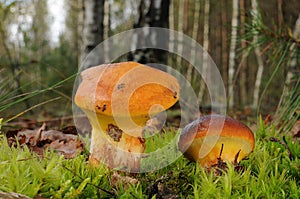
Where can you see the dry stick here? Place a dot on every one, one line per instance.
(236, 157)
(221, 151)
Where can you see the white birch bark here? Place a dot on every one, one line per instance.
(243, 64)
(257, 52)
(180, 29)
(293, 60)
(172, 36)
(292, 64)
(194, 36)
(93, 16)
(106, 28)
(80, 30)
(205, 47)
(232, 54)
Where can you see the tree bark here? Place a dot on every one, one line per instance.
(172, 36)
(195, 27)
(180, 29)
(224, 45)
(93, 17)
(243, 64)
(156, 16)
(205, 47)
(231, 64)
(106, 29)
(292, 66)
(257, 52)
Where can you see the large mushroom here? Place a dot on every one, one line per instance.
(118, 99)
(214, 137)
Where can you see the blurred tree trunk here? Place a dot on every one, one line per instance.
(292, 64)
(243, 64)
(205, 47)
(224, 43)
(257, 52)
(194, 31)
(232, 52)
(172, 36)
(294, 59)
(92, 33)
(106, 30)
(179, 45)
(74, 26)
(157, 15)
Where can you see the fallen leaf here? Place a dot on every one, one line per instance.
(296, 129)
(65, 142)
(12, 195)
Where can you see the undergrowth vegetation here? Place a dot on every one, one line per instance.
(271, 171)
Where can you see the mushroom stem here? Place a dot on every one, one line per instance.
(112, 145)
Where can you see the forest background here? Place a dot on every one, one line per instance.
(255, 45)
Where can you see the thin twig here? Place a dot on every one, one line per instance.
(272, 139)
(106, 191)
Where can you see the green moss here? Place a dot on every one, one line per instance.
(268, 172)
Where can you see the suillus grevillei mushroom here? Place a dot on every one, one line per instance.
(212, 137)
(118, 99)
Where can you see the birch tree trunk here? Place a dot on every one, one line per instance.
(194, 36)
(74, 25)
(205, 47)
(231, 64)
(292, 65)
(172, 36)
(243, 64)
(106, 29)
(258, 58)
(92, 35)
(224, 44)
(180, 29)
(156, 16)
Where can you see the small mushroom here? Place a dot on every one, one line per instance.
(212, 137)
(118, 99)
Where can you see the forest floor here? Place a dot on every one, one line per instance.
(38, 166)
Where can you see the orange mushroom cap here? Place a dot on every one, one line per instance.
(104, 89)
(202, 140)
(118, 99)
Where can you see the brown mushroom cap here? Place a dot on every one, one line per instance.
(204, 134)
(109, 88)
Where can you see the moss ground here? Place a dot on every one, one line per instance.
(271, 171)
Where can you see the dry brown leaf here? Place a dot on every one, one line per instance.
(38, 140)
(296, 129)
